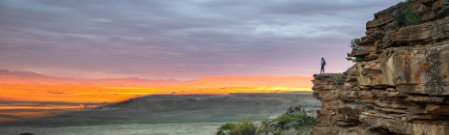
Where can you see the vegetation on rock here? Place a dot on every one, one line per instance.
(405, 15)
(354, 44)
(338, 79)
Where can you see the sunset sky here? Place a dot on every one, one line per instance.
(180, 39)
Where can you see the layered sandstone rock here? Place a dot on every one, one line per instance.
(326, 90)
(401, 86)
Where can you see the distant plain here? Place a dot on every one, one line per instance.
(165, 114)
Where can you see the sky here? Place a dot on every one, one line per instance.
(180, 39)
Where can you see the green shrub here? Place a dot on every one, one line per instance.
(406, 16)
(355, 42)
(303, 124)
(355, 58)
(358, 59)
(412, 17)
(262, 128)
(292, 119)
(244, 127)
(284, 120)
(306, 120)
(225, 127)
(305, 130)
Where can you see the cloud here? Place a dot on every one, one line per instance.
(180, 38)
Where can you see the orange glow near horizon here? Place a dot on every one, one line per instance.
(64, 93)
(99, 94)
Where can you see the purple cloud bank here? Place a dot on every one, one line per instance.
(181, 39)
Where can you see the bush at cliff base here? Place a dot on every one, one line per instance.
(294, 121)
(244, 127)
(287, 124)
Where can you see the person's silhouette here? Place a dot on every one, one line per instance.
(323, 63)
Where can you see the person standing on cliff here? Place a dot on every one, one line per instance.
(323, 63)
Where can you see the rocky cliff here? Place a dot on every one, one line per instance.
(400, 83)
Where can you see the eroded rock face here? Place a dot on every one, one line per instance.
(402, 84)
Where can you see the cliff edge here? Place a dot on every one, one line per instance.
(400, 83)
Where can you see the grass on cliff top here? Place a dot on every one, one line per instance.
(337, 78)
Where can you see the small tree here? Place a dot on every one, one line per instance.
(354, 43)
